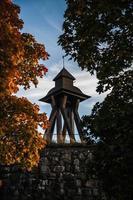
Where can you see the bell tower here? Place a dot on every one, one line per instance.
(64, 99)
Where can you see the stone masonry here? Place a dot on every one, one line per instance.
(66, 171)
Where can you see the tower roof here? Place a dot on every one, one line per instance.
(64, 73)
(65, 86)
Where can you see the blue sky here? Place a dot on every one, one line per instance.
(43, 19)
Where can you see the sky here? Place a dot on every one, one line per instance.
(43, 19)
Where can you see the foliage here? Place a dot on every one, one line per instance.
(98, 35)
(110, 123)
(20, 57)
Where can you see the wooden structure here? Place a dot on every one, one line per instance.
(64, 99)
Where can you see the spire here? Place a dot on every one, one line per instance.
(64, 73)
(63, 61)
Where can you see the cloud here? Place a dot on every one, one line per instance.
(86, 83)
(55, 69)
(54, 25)
(34, 94)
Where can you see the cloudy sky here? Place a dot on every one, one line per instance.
(43, 19)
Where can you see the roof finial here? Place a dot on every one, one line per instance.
(63, 61)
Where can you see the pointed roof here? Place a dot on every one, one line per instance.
(64, 88)
(64, 73)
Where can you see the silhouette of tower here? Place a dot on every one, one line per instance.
(64, 99)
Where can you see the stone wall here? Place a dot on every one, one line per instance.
(65, 169)
(64, 173)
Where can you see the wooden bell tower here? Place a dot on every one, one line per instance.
(64, 99)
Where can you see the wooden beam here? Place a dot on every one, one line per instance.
(49, 132)
(53, 101)
(64, 133)
(52, 129)
(78, 120)
(78, 124)
(64, 101)
(65, 115)
(59, 127)
(71, 119)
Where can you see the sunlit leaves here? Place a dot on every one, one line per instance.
(19, 52)
(19, 138)
(20, 58)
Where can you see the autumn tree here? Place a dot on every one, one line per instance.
(20, 56)
(98, 35)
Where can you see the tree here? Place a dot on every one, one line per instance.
(20, 55)
(110, 124)
(98, 35)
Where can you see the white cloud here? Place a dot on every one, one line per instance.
(54, 25)
(86, 83)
